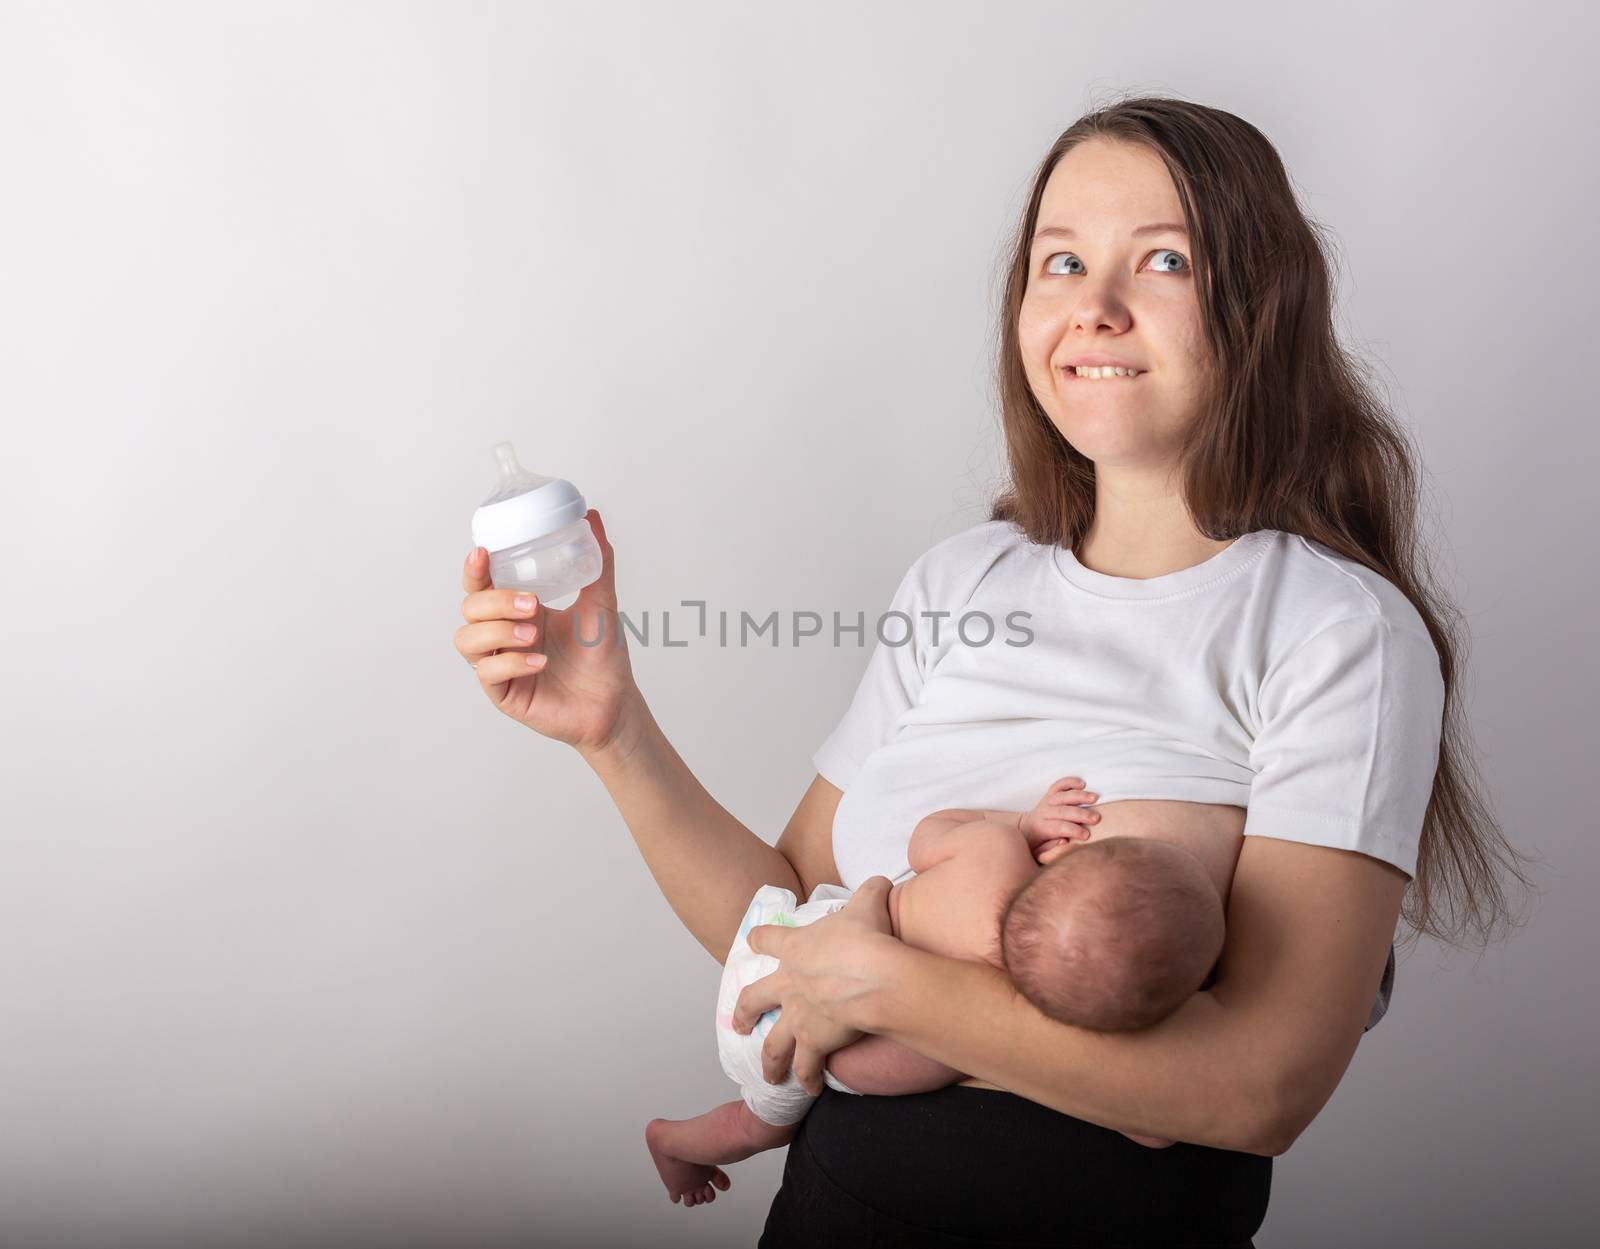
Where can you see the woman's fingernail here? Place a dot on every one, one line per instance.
(536, 661)
(524, 602)
(524, 631)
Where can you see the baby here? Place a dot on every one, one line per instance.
(1114, 935)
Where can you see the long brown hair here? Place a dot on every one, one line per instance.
(1293, 438)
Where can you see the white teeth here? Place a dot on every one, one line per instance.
(1106, 372)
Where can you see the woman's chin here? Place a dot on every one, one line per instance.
(1114, 448)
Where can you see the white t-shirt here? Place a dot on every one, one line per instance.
(1276, 676)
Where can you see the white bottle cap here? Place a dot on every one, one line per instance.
(524, 505)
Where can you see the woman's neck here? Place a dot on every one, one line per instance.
(1142, 531)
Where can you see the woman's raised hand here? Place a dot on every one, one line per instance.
(542, 666)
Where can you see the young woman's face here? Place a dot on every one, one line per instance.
(1098, 286)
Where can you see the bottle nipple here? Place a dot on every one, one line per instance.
(514, 479)
(535, 531)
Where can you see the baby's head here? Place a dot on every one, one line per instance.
(1113, 935)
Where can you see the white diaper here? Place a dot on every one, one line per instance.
(741, 1054)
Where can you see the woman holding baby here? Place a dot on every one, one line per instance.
(1210, 521)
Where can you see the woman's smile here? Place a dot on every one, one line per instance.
(1099, 375)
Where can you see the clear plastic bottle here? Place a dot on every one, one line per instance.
(536, 532)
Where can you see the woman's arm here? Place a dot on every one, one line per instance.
(571, 680)
(1245, 1065)
(707, 863)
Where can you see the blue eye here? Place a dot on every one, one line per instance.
(1164, 251)
(1048, 259)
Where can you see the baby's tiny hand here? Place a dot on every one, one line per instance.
(1050, 851)
(1059, 819)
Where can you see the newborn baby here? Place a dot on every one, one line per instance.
(1113, 935)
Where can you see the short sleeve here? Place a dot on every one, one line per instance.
(1350, 725)
(888, 688)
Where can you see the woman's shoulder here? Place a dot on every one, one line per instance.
(1310, 586)
(951, 569)
(985, 542)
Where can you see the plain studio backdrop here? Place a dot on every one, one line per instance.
(299, 934)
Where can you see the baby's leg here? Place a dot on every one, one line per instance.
(1150, 1142)
(686, 1151)
(884, 1067)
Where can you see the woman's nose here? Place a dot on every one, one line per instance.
(1099, 307)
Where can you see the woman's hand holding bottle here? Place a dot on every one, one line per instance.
(542, 666)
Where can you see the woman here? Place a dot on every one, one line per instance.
(1216, 544)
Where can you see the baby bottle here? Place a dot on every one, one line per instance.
(536, 533)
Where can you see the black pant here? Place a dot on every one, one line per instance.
(980, 1169)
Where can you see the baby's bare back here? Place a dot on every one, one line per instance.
(953, 907)
(1212, 832)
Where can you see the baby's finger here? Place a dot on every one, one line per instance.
(1066, 811)
(1066, 782)
(1068, 821)
(1072, 797)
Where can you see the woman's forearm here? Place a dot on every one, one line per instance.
(1189, 1078)
(705, 861)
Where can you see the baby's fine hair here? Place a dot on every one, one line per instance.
(1114, 935)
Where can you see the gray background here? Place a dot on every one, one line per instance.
(296, 931)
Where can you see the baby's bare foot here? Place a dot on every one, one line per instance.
(692, 1181)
